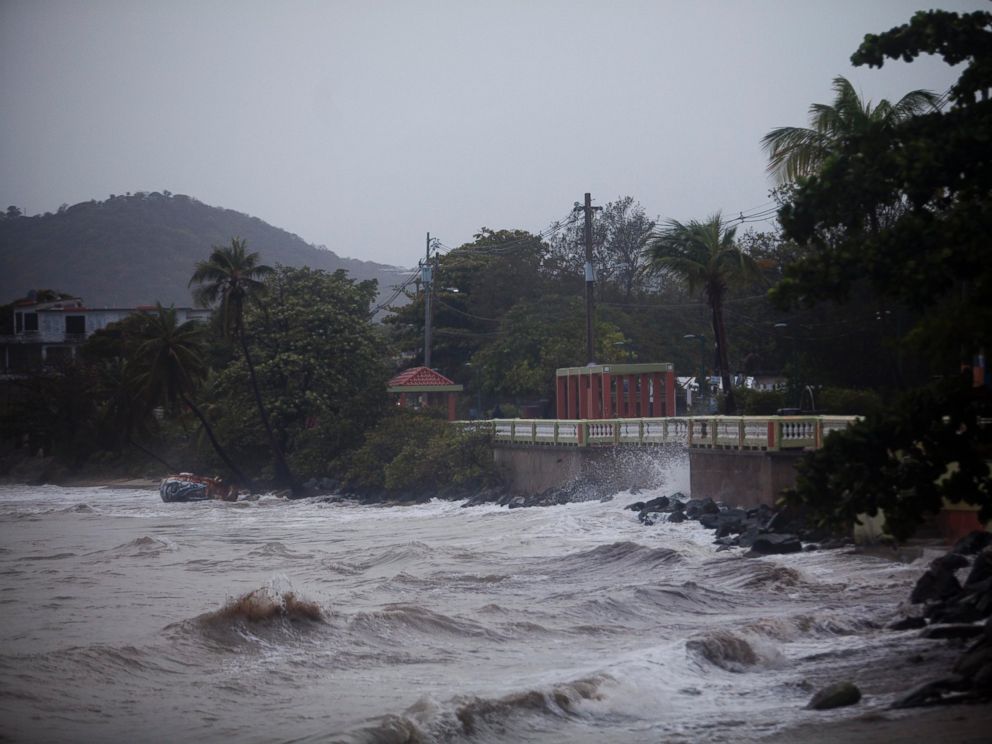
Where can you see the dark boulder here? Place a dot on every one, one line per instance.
(774, 544)
(973, 542)
(908, 623)
(939, 582)
(952, 631)
(677, 516)
(981, 569)
(835, 696)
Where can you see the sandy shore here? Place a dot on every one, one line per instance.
(952, 724)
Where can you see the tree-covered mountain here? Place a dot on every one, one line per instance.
(141, 248)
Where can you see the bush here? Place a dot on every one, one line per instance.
(848, 402)
(759, 402)
(412, 455)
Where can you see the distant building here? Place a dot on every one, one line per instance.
(48, 333)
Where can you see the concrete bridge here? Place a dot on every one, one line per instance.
(743, 460)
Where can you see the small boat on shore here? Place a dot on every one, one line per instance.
(189, 487)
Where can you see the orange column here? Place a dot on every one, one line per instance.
(607, 396)
(670, 392)
(573, 396)
(645, 401)
(451, 407)
(583, 396)
(561, 397)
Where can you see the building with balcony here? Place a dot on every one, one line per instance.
(48, 333)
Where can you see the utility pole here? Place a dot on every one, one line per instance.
(588, 208)
(426, 275)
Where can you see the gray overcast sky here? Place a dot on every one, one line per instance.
(363, 125)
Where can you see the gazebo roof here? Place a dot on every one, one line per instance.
(422, 380)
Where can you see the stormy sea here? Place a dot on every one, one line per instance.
(128, 619)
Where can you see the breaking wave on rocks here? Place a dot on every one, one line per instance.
(429, 623)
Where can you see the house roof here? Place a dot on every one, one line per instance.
(422, 380)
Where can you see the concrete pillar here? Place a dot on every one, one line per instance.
(670, 393)
(561, 397)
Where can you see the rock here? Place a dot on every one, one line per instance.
(974, 660)
(930, 692)
(678, 516)
(981, 569)
(747, 538)
(936, 584)
(835, 696)
(775, 544)
(973, 542)
(709, 521)
(908, 623)
(660, 503)
(636, 506)
(949, 562)
(963, 630)
(810, 548)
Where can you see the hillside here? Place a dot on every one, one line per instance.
(138, 249)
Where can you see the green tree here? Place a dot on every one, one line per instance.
(934, 173)
(319, 362)
(233, 276)
(169, 367)
(800, 152)
(705, 255)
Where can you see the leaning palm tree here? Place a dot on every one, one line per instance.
(704, 255)
(233, 276)
(799, 152)
(169, 365)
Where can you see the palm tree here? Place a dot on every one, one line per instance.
(798, 152)
(704, 255)
(233, 276)
(170, 365)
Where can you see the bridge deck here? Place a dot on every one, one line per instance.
(762, 433)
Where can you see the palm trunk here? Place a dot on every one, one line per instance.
(242, 479)
(720, 334)
(283, 474)
(172, 468)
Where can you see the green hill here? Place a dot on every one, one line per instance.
(138, 249)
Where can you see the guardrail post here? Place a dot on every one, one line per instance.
(713, 426)
(740, 433)
(555, 437)
(513, 431)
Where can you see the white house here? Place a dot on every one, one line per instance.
(50, 332)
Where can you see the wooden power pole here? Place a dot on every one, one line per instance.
(425, 273)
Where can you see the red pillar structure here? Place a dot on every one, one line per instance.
(615, 391)
(607, 395)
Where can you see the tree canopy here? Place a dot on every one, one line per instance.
(932, 174)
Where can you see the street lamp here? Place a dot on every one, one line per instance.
(702, 361)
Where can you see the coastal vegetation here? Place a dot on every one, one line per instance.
(879, 294)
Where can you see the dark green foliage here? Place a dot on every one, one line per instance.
(904, 461)
(320, 368)
(413, 456)
(847, 401)
(760, 402)
(909, 207)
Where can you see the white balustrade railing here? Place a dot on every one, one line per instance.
(726, 432)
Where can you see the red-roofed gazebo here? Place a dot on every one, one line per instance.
(421, 387)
